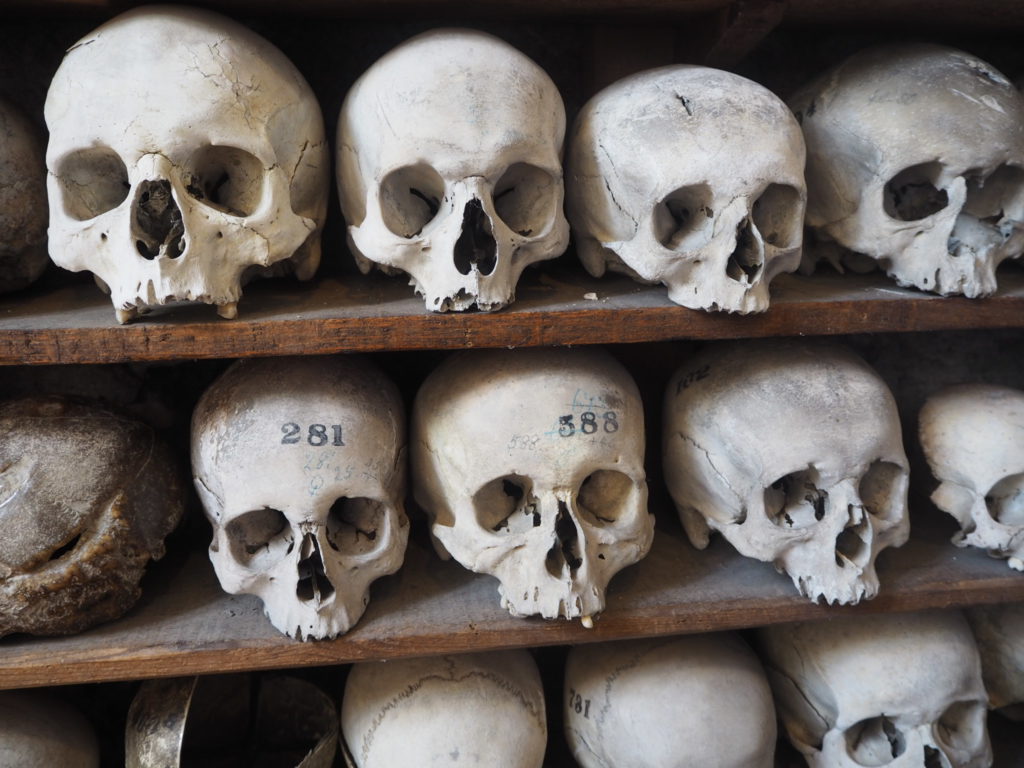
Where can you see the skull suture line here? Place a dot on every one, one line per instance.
(793, 452)
(973, 438)
(449, 167)
(915, 160)
(529, 464)
(691, 177)
(186, 154)
(300, 464)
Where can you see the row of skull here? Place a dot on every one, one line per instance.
(187, 154)
(897, 690)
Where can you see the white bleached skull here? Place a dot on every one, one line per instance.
(915, 160)
(896, 690)
(691, 177)
(529, 464)
(973, 438)
(999, 632)
(793, 452)
(186, 154)
(39, 730)
(23, 210)
(482, 709)
(449, 167)
(681, 702)
(300, 465)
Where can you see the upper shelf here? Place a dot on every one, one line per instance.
(75, 324)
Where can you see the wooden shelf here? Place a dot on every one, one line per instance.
(185, 624)
(75, 323)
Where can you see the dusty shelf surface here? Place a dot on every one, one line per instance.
(185, 624)
(75, 323)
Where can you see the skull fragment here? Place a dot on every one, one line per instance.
(449, 167)
(691, 177)
(973, 438)
(300, 465)
(915, 160)
(23, 211)
(793, 452)
(896, 690)
(529, 464)
(186, 155)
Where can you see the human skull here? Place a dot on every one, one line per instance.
(23, 211)
(691, 177)
(793, 452)
(186, 154)
(999, 632)
(915, 160)
(973, 438)
(682, 702)
(529, 464)
(449, 167)
(894, 690)
(87, 497)
(40, 730)
(300, 465)
(483, 709)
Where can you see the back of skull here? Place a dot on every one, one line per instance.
(999, 632)
(23, 210)
(41, 730)
(530, 466)
(299, 463)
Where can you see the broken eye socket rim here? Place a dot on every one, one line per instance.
(505, 505)
(912, 194)
(795, 500)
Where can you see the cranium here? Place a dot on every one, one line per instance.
(449, 167)
(999, 632)
(23, 211)
(915, 159)
(793, 452)
(186, 153)
(300, 465)
(691, 177)
(40, 730)
(529, 464)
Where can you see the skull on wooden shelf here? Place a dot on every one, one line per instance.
(691, 177)
(300, 465)
(23, 209)
(896, 690)
(681, 702)
(449, 167)
(87, 499)
(186, 155)
(483, 709)
(999, 632)
(973, 438)
(915, 160)
(39, 730)
(529, 464)
(793, 452)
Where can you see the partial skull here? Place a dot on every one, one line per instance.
(915, 160)
(691, 177)
(483, 709)
(449, 167)
(530, 465)
(87, 497)
(681, 702)
(894, 690)
(186, 155)
(999, 632)
(23, 208)
(40, 730)
(973, 438)
(300, 465)
(793, 452)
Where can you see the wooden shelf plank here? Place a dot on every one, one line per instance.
(75, 324)
(185, 624)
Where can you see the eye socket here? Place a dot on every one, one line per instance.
(874, 742)
(795, 500)
(1005, 500)
(883, 489)
(260, 538)
(506, 505)
(353, 525)
(996, 196)
(681, 214)
(93, 181)
(524, 198)
(227, 179)
(778, 215)
(911, 195)
(410, 198)
(604, 496)
(962, 726)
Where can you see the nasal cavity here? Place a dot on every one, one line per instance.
(933, 758)
(158, 228)
(745, 263)
(313, 584)
(476, 247)
(565, 553)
